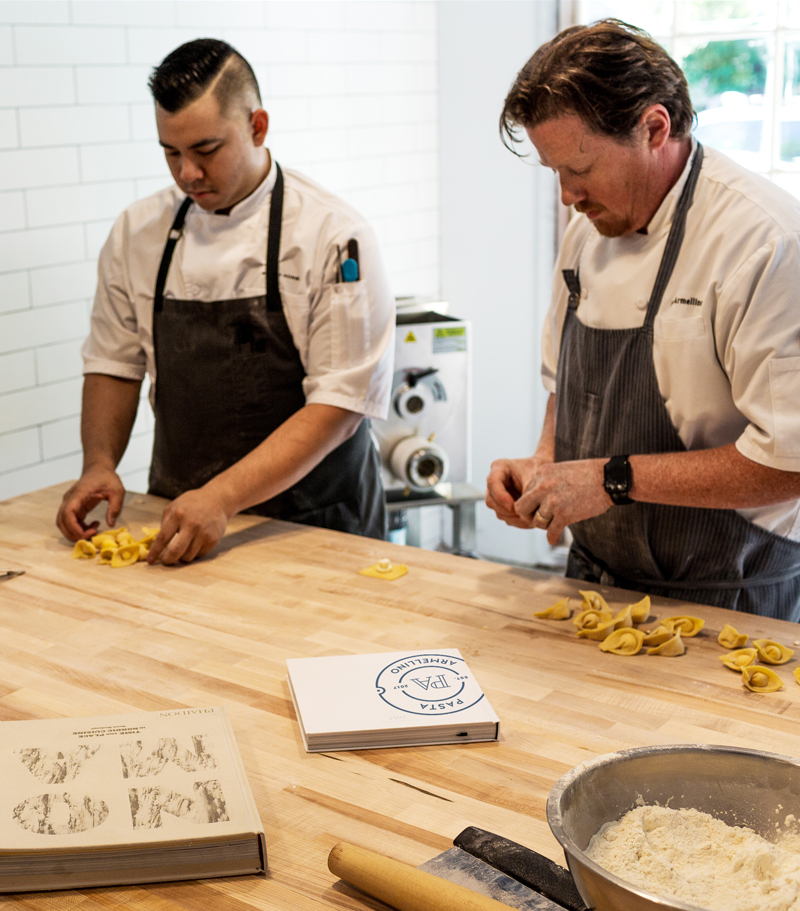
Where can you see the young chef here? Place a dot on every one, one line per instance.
(258, 305)
(671, 445)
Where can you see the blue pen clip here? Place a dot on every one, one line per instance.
(349, 271)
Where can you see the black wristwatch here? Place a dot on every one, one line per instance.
(618, 480)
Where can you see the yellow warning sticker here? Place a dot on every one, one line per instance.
(411, 337)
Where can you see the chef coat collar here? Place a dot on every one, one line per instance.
(252, 203)
(662, 220)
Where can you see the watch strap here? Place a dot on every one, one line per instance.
(618, 480)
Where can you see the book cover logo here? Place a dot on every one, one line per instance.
(428, 684)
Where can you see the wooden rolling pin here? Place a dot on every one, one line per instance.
(401, 885)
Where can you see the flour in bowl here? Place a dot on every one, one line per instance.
(695, 858)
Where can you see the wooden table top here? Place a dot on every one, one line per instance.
(78, 638)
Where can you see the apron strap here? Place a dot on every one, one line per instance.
(166, 257)
(573, 283)
(674, 240)
(274, 243)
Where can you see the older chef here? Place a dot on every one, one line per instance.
(257, 303)
(671, 445)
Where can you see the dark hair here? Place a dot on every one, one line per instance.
(607, 73)
(186, 74)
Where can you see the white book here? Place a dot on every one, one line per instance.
(117, 799)
(389, 699)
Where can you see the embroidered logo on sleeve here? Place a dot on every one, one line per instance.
(690, 301)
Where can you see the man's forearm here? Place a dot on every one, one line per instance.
(107, 414)
(720, 478)
(285, 457)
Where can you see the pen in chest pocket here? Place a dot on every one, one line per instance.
(349, 270)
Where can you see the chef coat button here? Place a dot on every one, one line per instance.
(584, 293)
(641, 304)
(192, 291)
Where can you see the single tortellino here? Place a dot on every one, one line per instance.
(102, 539)
(772, 652)
(591, 618)
(595, 600)
(599, 632)
(558, 611)
(730, 637)
(742, 657)
(625, 641)
(125, 555)
(640, 612)
(107, 552)
(670, 648)
(760, 679)
(662, 633)
(83, 550)
(150, 534)
(125, 537)
(687, 626)
(796, 673)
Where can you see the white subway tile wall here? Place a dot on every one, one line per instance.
(351, 88)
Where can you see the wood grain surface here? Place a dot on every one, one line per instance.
(78, 638)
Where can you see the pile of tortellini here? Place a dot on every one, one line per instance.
(617, 634)
(755, 676)
(115, 547)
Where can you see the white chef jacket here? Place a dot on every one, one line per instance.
(727, 336)
(343, 331)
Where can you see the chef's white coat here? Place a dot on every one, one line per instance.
(342, 331)
(727, 336)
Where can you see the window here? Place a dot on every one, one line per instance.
(742, 61)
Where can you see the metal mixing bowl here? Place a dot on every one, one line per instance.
(740, 787)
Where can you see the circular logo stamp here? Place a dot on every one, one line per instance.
(428, 684)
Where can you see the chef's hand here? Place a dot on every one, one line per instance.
(507, 479)
(192, 524)
(561, 493)
(94, 486)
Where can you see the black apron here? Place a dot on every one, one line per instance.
(608, 403)
(227, 375)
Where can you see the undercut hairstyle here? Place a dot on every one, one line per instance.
(191, 70)
(607, 73)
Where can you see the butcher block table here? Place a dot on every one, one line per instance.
(78, 638)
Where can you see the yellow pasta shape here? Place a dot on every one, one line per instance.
(558, 611)
(688, 626)
(623, 619)
(760, 679)
(595, 600)
(730, 637)
(658, 635)
(125, 555)
(83, 550)
(125, 537)
(599, 632)
(103, 538)
(625, 641)
(742, 657)
(671, 648)
(772, 652)
(796, 673)
(150, 534)
(640, 611)
(591, 618)
(144, 550)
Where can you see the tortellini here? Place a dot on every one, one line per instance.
(591, 618)
(640, 612)
(595, 600)
(624, 641)
(730, 637)
(688, 626)
(670, 648)
(659, 635)
(760, 679)
(740, 658)
(116, 547)
(558, 611)
(772, 652)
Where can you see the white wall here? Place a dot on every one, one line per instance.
(351, 88)
(497, 238)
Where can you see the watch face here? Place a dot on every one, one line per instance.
(617, 479)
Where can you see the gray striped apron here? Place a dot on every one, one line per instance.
(227, 375)
(608, 403)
